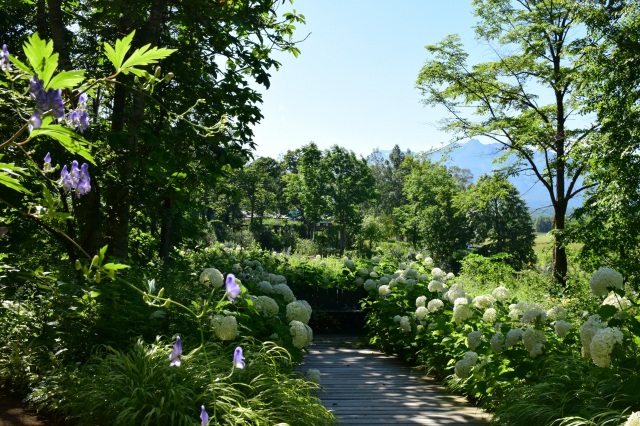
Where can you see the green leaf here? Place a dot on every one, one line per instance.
(70, 140)
(145, 56)
(10, 182)
(67, 79)
(607, 311)
(116, 56)
(7, 171)
(21, 65)
(114, 266)
(41, 57)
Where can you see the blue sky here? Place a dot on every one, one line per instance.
(354, 82)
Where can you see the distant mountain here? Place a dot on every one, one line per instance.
(479, 157)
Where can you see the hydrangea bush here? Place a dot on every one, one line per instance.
(495, 348)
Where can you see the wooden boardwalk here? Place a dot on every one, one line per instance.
(365, 387)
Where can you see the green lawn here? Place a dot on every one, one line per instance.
(544, 241)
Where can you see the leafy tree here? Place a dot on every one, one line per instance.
(305, 184)
(543, 224)
(160, 154)
(525, 98)
(389, 179)
(609, 220)
(349, 185)
(499, 219)
(431, 214)
(259, 186)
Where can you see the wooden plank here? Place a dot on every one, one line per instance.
(362, 386)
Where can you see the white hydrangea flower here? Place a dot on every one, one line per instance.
(265, 287)
(370, 285)
(384, 279)
(602, 345)
(497, 343)
(557, 313)
(402, 265)
(313, 375)
(435, 305)
(463, 367)
(411, 273)
(400, 280)
(350, 264)
(620, 302)
(423, 277)
(634, 419)
(484, 301)
(500, 293)
(490, 315)
(587, 331)
(358, 281)
(384, 290)
(266, 305)
(363, 272)
(428, 261)
(435, 285)
(513, 337)
(421, 313)
(284, 291)
(405, 325)
(562, 328)
(604, 279)
(397, 318)
(375, 259)
(373, 274)
(533, 316)
(299, 310)
(419, 257)
(438, 274)
(211, 277)
(236, 267)
(301, 333)
(450, 276)
(455, 292)
(517, 310)
(461, 310)
(421, 301)
(534, 341)
(473, 339)
(225, 327)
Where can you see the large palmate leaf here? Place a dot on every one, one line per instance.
(140, 57)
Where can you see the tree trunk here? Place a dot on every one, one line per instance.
(58, 33)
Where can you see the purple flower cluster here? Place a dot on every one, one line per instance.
(204, 417)
(232, 287)
(77, 178)
(5, 64)
(45, 101)
(79, 118)
(176, 353)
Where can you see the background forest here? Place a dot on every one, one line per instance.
(105, 265)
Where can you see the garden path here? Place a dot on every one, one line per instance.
(362, 386)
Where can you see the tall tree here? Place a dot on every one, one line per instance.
(159, 153)
(431, 215)
(499, 219)
(305, 184)
(523, 99)
(609, 220)
(349, 185)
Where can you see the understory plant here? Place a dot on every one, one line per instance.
(76, 339)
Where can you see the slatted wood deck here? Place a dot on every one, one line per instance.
(365, 387)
